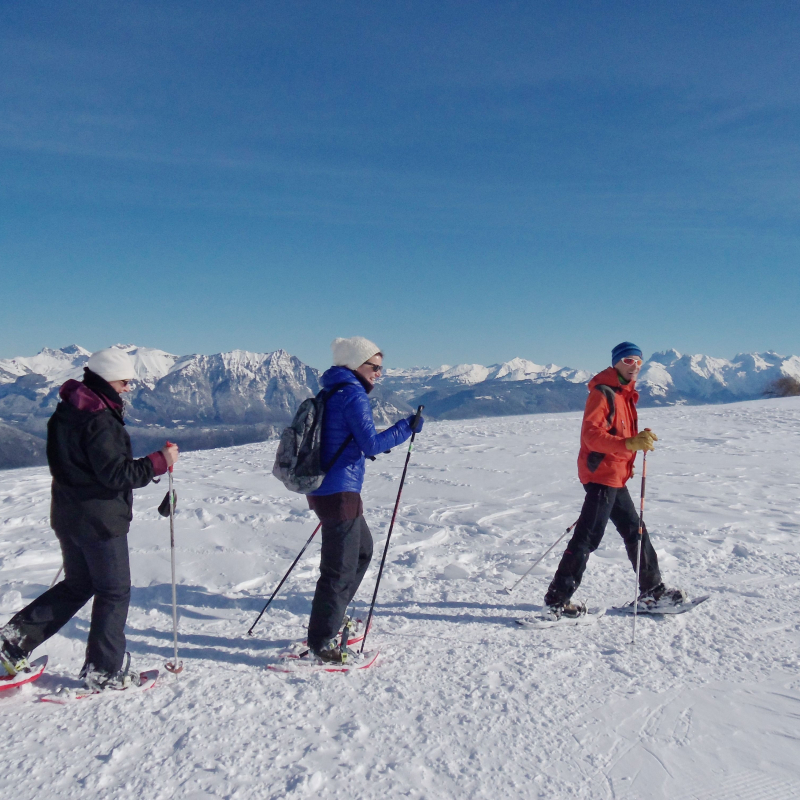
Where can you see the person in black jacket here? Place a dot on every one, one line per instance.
(94, 475)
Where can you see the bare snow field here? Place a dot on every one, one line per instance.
(462, 703)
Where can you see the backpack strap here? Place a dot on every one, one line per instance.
(609, 392)
(326, 468)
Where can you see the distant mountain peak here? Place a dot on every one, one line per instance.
(74, 350)
(466, 373)
(666, 357)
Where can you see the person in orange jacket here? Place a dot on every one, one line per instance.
(610, 439)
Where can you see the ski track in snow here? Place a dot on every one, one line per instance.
(462, 703)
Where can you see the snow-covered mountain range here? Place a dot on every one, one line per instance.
(669, 377)
(473, 390)
(58, 366)
(520, 386)
(518, 369)
(238, 397)
(199, 400)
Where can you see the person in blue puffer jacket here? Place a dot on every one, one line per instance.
(346, 539)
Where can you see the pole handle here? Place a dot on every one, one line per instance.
(414, 422)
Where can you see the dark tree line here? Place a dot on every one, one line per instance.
(783, 387)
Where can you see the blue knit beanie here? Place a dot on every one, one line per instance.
(623, 350)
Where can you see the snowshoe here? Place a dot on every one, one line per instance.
(569, 610)
(334, 658)
(660, 597)
(99, 680)
(333, 653)
(117, 686)
(13, 658)
(568, 614)
(34, 672)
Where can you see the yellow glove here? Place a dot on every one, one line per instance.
(642, 441)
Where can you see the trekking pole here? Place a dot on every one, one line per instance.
(639, 546)
(277, 588)
(58, 575)
(391, 524)
(174, 666)
(541, 558)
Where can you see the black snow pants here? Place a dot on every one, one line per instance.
(346, 553)
(96, 568)
(601, 504)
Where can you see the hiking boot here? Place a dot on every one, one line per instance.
(661, 596)
(558, 610)
(13, 658)
(96, 680)
(333, 653)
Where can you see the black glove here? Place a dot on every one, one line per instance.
(420, 422)
(163, 509)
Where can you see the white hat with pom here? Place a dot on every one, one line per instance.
(353, 352)
(112, 364)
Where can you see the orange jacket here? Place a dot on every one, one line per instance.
(603, 457)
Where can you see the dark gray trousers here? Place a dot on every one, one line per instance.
(601, 504)
(99, 569)
(346, 553)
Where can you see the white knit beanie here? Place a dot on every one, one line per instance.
(112, 364)
(353, 352)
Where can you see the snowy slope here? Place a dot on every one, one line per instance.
(462, 704)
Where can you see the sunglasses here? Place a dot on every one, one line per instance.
(630, 361)
(375, 367)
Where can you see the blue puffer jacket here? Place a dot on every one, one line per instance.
(347, 411)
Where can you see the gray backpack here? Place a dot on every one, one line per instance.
(298, 462)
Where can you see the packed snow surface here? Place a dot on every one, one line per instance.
(461, 703)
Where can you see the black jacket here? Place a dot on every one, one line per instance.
(91, 461)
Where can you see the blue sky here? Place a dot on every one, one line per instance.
(461, 182)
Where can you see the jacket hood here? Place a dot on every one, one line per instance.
(80, 396)
(336, 375)
(610, 377)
